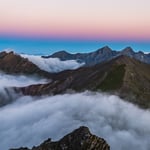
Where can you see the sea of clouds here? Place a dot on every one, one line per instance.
(53, 64)
(29, 121)
(7, 81)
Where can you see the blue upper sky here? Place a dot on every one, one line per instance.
(49, 46)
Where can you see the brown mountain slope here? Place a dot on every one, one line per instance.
(79, 139)
(124, 76)
(15, 64)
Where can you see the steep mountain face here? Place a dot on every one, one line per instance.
(15, 64)
(101, 55)
(123, 76)
(80, 139)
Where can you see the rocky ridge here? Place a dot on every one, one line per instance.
(79, 139)
(12, 63)
(122, 76)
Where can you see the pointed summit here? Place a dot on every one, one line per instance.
(105, 49)
(127, 51)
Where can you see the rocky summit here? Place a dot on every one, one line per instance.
(79, 139)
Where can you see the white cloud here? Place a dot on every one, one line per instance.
(53, 64)
(7, 94)
(28, 122)
(146, 52)
(7, 80)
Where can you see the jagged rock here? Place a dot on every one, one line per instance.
(80, 139)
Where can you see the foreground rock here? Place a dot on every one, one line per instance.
(80, 139)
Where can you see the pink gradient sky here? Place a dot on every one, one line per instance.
(85, 19)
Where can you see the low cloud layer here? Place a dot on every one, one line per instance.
(29, 122)
(7, 94)
(53, 64)
(7, 80)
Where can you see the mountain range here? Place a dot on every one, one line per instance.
(100, 55)
(124, 76)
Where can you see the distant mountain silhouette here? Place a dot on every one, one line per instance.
(101, 55)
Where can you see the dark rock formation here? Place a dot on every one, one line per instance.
(80, 139)
(101, 55)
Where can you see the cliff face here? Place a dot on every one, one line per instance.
(79, 139)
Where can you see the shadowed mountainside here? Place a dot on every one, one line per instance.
(79, 139)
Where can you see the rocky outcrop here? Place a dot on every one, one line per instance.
(101, 55)
(80, 139)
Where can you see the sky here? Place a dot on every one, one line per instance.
(45, 26)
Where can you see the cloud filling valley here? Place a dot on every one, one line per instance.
(53, 64)
(30, 121)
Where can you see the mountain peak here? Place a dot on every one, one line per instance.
(100, 55)
(63, 52)
(105, 49)
(79, 139)
(60, 54)
(128, 50)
